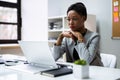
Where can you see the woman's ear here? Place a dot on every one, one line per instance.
(84, 18)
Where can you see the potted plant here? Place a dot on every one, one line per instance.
(80, 69)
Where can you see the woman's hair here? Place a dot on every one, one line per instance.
(79, 8)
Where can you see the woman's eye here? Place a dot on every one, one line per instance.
(74, 19)
(68, 19)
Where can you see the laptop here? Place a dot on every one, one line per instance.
(38, 55)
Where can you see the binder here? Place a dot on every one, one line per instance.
(57, 72)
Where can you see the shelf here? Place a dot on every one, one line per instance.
(59, 23)
(56, 17)
(55, 30)
(66, 29)
(9, 45)
(52, 41)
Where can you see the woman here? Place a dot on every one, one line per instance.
(78, 42)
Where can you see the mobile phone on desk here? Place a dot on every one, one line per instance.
(64, 64)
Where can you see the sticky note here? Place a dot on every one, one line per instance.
(115, 3)
(116, 19)
(116, 9)
(115, 14)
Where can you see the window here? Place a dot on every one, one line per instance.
(10, 21)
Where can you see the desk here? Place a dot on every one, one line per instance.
(96, 73)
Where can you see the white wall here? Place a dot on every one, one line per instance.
(103, 11)
(53, 8)
(34, 23)
(34, 20)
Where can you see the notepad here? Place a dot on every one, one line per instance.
(57, 72)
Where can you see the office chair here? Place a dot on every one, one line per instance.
(108, 60)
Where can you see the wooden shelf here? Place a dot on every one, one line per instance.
(9, 45)
(56, 30)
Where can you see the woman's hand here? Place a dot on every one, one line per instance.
(78, 35)
(69, 34)
(74, 35)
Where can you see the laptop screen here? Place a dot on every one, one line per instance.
(38, 53)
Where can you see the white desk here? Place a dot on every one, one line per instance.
(96, 73)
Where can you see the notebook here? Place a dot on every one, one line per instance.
(38, 55)
(57, 72)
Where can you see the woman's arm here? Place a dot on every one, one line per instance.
(88, 51)
(58, 49)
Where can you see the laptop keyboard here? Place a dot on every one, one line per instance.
(28, 68)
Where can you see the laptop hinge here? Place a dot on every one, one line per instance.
(42, 65)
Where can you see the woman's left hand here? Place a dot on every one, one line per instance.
(78, 35)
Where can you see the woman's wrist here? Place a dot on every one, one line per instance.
(81, 40)
(60, 36)
(59, 40)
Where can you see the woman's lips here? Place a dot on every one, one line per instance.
(72, 26)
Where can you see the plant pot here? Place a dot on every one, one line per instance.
(81, 71)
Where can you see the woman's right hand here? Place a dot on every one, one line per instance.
(67, 34)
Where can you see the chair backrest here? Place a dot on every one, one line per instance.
(108, 60)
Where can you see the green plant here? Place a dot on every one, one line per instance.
(80, 62)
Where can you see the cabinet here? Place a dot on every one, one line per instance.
(58, 24)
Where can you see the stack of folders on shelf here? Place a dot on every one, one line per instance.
(57, 72)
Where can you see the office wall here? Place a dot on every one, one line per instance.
(34, 20)
(103, 11)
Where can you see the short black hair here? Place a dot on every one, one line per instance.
(80, 8)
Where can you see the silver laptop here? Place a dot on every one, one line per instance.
(38, 55)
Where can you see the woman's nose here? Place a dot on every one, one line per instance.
(71, 22)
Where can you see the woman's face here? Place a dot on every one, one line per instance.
(75, 21)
